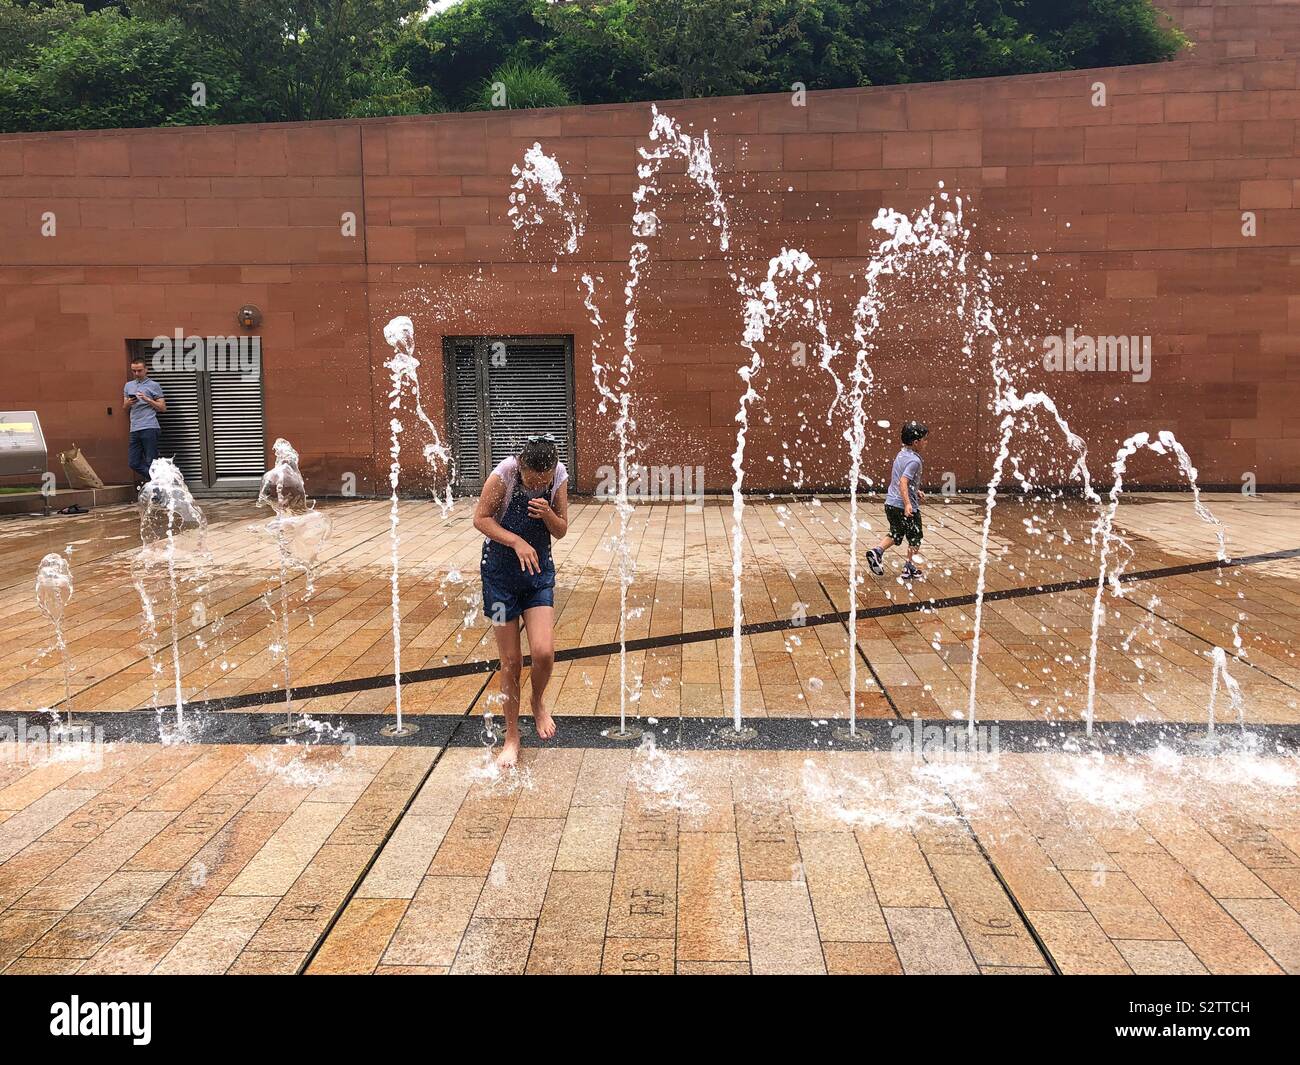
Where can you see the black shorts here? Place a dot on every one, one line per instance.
(901, 527)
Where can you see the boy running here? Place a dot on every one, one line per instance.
(903, 505)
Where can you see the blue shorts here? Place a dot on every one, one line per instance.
(507, 590)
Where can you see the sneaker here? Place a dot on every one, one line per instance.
(911, 573)
(876, 560)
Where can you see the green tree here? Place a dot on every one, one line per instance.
(455, 50)
(940, 40)
(703, 47)
(25, 26)
(384, 86)
(389, 93)
(297, 58)
(271, 60)
(107, 71)
(593, 47)
(1101, 33)
(817, 44)
(612, 50)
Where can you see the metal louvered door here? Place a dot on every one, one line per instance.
(513, 387)
(213, 428)
(237, 437)
(183, 438)
(466, 415)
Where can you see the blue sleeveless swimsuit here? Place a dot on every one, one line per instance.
(508, 590)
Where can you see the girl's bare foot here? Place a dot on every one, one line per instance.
(542, 720)
(509, 756)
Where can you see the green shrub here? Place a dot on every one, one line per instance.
(107, 72)
(521, 85)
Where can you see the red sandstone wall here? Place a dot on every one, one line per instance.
(1133, 210)
(1238, 29)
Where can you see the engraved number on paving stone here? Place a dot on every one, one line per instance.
(482, 826)
(203, 821)
(368, 822)
(303, 911)
(101, 810)
(997, 926)
(635, 963)
(1266, 850)
(770, 827)
(647, 902)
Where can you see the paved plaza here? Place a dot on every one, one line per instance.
(804, 851)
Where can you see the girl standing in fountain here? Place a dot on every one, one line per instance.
(524, 503)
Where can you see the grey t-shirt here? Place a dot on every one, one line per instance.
(906, 464)
(143, 416)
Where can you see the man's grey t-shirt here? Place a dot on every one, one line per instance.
(907, 464)
(143, 416)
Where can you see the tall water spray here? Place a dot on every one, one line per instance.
(669, 142)
(53, 591)
(1010, 404)
(300, 532)
(540, 181)
(404, 374)
(537, 192)
(173, 538)
(1104, 535)
(765, 310)
(925, 239)
(400, 334)
(616, 394)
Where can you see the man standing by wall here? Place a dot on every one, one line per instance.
(143, 397)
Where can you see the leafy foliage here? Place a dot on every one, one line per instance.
(703, 47)
(26, 26)
(272, 60)
(516, 85)
(299, 57)
(107, 71)
(458, 49)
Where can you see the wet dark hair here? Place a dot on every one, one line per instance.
(540, 453)
(913, 431)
